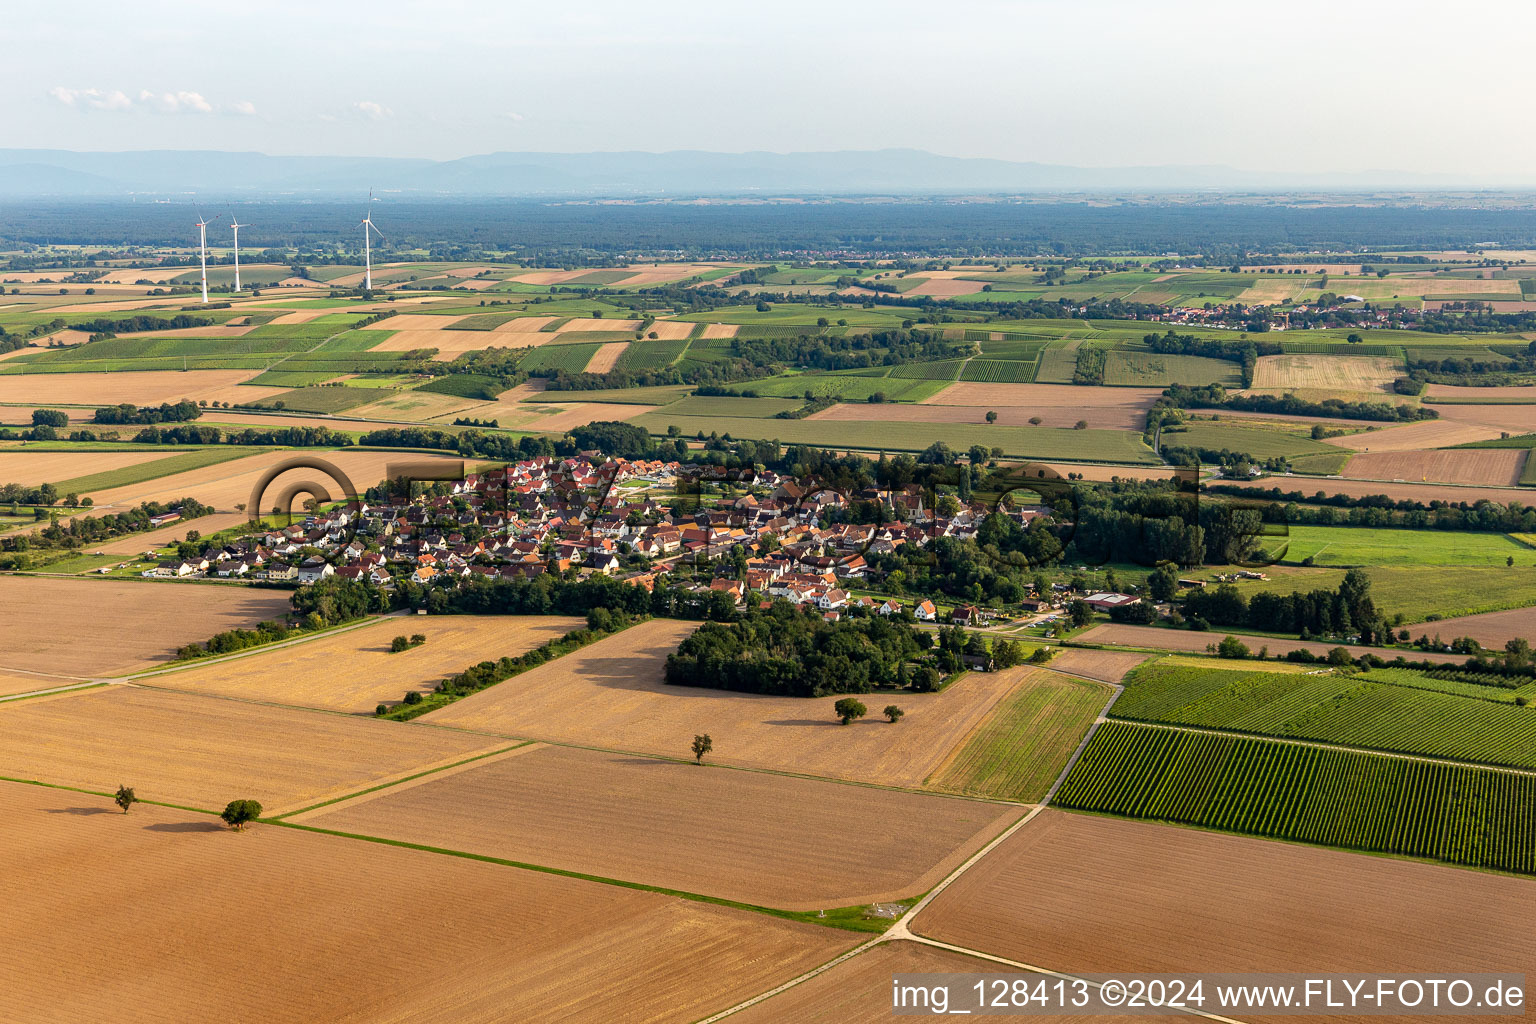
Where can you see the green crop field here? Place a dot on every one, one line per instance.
(487, 321)
(602, 337)
(757, 408)
(849, 387)
(570, 358)
(945, 370)
(178, 463)
(999, 371)
(1261, 443)
(1360, 545)
(664, 394)
(1339, 709)
(1056, 366)
(317, 399)
(1420, 591)
(1460, 814)
(466, 385)
(1017, 752)
(1151, 369)
(1115, 446)
(651, 355)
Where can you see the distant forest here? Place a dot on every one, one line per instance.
(451, 229)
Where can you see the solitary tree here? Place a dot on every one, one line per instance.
(125, 798)
(892, 713)
(849, 708)
(237, 813)
(702, 745)
(991, 416)
(417, 639)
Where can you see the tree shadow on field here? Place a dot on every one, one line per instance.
(78, 810)
(806, 721)
(184, 826)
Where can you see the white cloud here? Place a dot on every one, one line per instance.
(245, 108)
(370, 109)
(180, 102)
(512, 115)
(94, 99)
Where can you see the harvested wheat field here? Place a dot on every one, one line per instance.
(1421, 436)
(40, 466)
(1059, 405)
(774, 840)
(199, 751)
(414, 322)
(1156, 638)
(719, 331)
(1345, 373)
(133, 625)
(463, 943)
(146, 387)
(1008, 416)
(563, 417)
(945, 287)
(414, 406)
(1497, 467)
(453, 343)
(228, 484)
(1525, 393)
(670, 330)
(1422, 492)
(606, 357)
(1105, 666)
(16, 681)
(1081, 893)
(1491, 629)
(1095, 471)
(611, 695)
(355, 671)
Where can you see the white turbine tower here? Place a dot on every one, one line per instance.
(202, 248)
(233, 223)
(367, 226)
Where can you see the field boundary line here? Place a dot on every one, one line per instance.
(427, 774)
(802, 916)
(103, 795)
(57, 691)
(792, 982)
(386, 782)
(219, 659)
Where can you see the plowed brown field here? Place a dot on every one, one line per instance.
(767, 839)
(1106, 666)
(1058, 405)
(612, 695)
(1491, 629)
(1498, 467)
(297, 919)
(355, 671)
(1422, 492)
(198, 751)
(131, 625)
(1514, 419)
(1087, 894)
(1182, 640)
(1425, 434)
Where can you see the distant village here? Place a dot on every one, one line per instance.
(634, 521)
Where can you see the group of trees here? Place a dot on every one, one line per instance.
(788, 651)
(327, 603)
(16, 550)
(164, 413)
(1349, 610)
(1214, 396)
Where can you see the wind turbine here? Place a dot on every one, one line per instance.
(237, 226)
(367, 226)
(202, 248)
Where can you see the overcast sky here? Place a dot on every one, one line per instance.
(1347, 85)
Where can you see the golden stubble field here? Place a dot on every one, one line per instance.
(1057, 405)
(163, 915)
(99, 628)
(612, 695)
(354, 671)
(1346, 373)
(147, 387)
(31, 468)
(199, 751)
(755, 837)
(227, 485)
(1498, 467)
(1061, 894)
